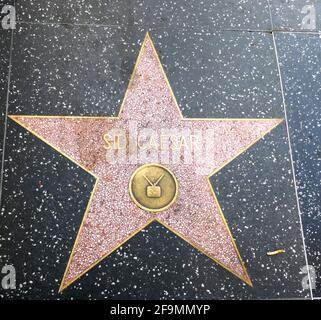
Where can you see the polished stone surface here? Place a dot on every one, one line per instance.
(82, 70)
(291, 15)
(5, 44)
(300, 60)
(219, 14)
(76, 58)
(5, 40)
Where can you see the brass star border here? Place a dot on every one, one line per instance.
(62, 287)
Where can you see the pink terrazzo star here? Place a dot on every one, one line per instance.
(111, 217)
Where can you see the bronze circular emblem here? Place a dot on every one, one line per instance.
(153, 187)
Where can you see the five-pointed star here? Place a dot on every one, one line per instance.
(112, 217)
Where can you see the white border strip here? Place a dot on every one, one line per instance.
(291, 159)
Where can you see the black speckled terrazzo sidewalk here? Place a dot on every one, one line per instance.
(223, 59)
